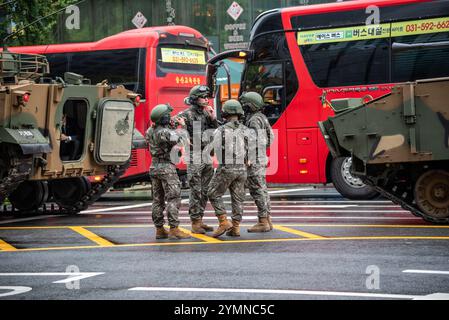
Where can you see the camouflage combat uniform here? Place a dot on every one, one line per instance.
(232, 175)
(164, 178)
(199, 173)
(257, 182)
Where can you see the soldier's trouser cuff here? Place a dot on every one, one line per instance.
(196, 216)
(158, 225)
(218, 214)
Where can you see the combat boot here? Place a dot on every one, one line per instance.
(224, 226)
(161, 233)
(197, 227)
(262, 226)
(235, 230)
(177, 234)
(206, 227)
(270, 223)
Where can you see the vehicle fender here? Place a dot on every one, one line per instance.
(31, 141)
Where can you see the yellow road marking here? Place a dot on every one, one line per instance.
(298, 232)
(230, 242)
(397, 226)
(92, 236)
(4, 246)
(242, 225)
(201, 236)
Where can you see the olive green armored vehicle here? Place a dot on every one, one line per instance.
(399, 144)
(56, 133)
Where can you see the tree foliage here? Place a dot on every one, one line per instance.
(14, 15)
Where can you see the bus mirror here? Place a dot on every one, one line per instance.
(211, 74)
(272, 95)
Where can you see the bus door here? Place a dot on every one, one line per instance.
(267, 78)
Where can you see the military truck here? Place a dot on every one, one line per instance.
(55, 133)
(399, 144)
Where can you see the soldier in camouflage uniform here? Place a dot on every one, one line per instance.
(199, 118)
(255, 120)
(230, 144)
(161, 139)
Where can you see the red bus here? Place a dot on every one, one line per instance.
(160, 63)
(301, 58)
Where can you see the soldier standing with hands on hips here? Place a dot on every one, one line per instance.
(199, 118)
(256, 121)
(162, 139)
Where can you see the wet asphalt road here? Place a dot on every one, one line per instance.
(323, 247)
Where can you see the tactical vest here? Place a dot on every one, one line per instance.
(159, 142)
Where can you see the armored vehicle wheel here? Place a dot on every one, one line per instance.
(68, 192)
(432, 195)
(29, 196)
(348, 185)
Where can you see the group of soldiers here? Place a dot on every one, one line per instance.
(245, 131)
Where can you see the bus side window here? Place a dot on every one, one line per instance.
(421, 63)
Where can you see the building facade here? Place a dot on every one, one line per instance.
(225, 23)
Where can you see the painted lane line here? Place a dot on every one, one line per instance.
(306, 217)
(334, 206)
(185, 201)
(92, 236)
(14, 291)
(325, 202)
(318, 211)
(229, 242)
(426, 272)
(28, 219)
(150, 226)
(201, 236)
(435, 296)
(298, 232)
(288, 190)
(71, 276)
(283, 292)
(183, 212)
(143, 205)
(4, 246)
(386, 226)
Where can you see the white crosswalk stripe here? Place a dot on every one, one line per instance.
(282, 210)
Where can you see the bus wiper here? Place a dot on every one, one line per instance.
(399, 47)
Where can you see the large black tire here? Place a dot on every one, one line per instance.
(68, 192)
(349, 186)
(29, 196)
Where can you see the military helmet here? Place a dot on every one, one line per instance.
(199, 92)
(253, 100)
(232, 107)
(159, 111)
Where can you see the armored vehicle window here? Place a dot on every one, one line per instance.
(125, 66)
(422, 63)
(73, 129)
(348, 63)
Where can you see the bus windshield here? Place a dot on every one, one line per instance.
(175, 58)
(123, 66)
